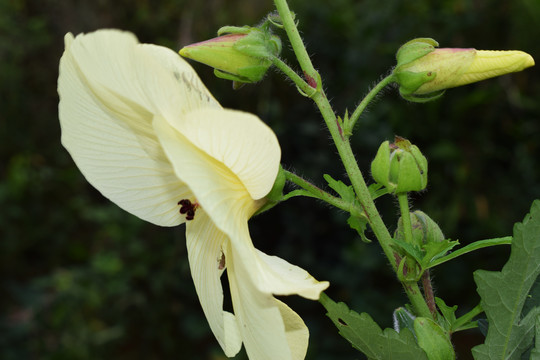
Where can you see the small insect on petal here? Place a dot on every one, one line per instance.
(188, 208)
(221, 262)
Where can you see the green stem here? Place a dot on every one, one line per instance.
(428, 292)
(369, 97)
(303, 86)
(462, 320)
(405, 217)
(417, 299)
(296, 42)
(323, 195)
(346, 154)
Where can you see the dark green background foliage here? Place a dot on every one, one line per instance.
(81, 279)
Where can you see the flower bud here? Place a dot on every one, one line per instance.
(400, 166)
(243, 55)
(424, 229)
(424, 72)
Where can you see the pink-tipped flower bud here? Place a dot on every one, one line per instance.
(240, 54)
(423, 71)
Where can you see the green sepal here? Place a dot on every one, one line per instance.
(400, 167)
(410, 81)
(423, 98)
(241, 54)
(415, 49)
(380, 166)
(275, 196)
(233, 30)
(403, 319)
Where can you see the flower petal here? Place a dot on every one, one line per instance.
(270, 330)
(124, 161)
(224, 198)
(296, 331)
(491, 63)
(241, 141)
(283, 278)
(219, 192)
(204, 244)
(124, 73)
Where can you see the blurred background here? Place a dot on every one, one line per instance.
(81, 279)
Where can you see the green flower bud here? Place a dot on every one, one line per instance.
(241, 54)
(433, 339)
(400, 166)
(424, 72)
(424, 229)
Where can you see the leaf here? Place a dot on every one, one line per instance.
(449, 313)
(365, 335)
(433, 339)
(535, 353)
(451, 323)
(533, 299)
(471, 247)
(436, 250)
(503, 294)
(409, 249)
(377, 190)
(345, 191)
(360, 225)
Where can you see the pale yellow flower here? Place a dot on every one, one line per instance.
(145, 131)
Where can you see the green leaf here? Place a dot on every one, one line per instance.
(535, 353)
(452, 324)
(411, 250)
(345, 191)
(377, 190)
(533, 299)
(449, 313)
(436, 250)
(360, 225)
(365, 335)
(471, 247)
(503, 294)
(433, 339)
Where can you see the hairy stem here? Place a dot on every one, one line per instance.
(346, 154)
(369, 97)
(297, 43)
(323, 195)
(405, 217)
(428, 292)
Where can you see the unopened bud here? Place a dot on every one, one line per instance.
(400, 166)
(242, 55)
(423, 72)
(424, 229)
